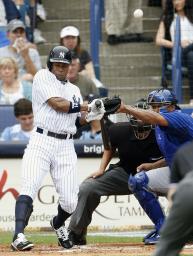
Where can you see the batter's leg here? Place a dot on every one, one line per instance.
(23, 210)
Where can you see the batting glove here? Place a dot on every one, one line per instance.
(96, 106)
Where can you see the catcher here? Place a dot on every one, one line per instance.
(130, 139)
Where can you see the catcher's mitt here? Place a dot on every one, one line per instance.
(111, 105)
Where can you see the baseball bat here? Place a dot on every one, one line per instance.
(104, 132)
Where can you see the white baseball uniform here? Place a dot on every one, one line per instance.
(45, 153)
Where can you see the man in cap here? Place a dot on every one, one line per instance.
(20, 49)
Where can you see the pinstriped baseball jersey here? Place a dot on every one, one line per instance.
(46, 153)
(46, 86)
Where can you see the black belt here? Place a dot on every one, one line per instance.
(55, 135)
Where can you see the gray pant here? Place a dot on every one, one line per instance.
(119, 19)
(112, 182)
(159, 180)
(178, 227)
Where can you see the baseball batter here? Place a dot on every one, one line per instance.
(56, 105)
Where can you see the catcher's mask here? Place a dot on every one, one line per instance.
(141, 130)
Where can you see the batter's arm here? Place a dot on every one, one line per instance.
(63, 105)
(147, 116)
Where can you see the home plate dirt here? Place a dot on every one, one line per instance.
(110, 249)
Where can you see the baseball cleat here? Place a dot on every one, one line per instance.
(21, 243)
(150, 234)
(62, 235)
(153, 239)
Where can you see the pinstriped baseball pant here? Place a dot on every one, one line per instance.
(47, 154)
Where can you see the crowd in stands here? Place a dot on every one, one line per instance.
(20, 59)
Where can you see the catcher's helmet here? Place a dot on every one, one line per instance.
(161, 96)
(139, 127)
(59, 54)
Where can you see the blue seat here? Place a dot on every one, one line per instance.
(4, 41)
(7, 117)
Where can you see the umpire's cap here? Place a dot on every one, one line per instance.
(59, 54)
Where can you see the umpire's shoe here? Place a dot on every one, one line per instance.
(77, 239)
(21, 243)
(62, 234)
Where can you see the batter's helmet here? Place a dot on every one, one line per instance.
(138, 126)
(59, 54)
(161, 96)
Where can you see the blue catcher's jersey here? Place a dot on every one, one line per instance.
(178, 132)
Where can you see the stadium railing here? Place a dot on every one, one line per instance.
(176, 62)
(96, 15)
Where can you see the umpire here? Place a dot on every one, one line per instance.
(136, 144)
(178, 227)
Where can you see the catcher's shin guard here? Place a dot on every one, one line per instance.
(148, 201)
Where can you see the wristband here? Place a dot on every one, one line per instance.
(74, 108)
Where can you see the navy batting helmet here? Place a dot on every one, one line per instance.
(138, 126)
(59, 54)
(161, 96)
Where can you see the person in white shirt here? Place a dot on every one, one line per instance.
(165, 33)
(12, 88)
(21, 131)
(21, 50)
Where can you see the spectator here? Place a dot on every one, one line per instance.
(166, 30)
(20, 49)
(121, 26)
(85, 84)
(3, 23)
(3, 20)
(93, 131)
(24, 115)
(11, 10)
(11, 87)
(29, 10)
(70, 38)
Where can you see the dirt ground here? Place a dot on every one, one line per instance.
(91, 250)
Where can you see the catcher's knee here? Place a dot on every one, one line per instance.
(138, 182)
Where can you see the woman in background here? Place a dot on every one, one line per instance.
(70, 38)
(11, 88)
(166, 31)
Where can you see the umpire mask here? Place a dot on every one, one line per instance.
(141, 130)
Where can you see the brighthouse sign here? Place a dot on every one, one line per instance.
(113, 211)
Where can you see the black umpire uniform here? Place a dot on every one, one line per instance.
(178, 227)
(132, 152)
